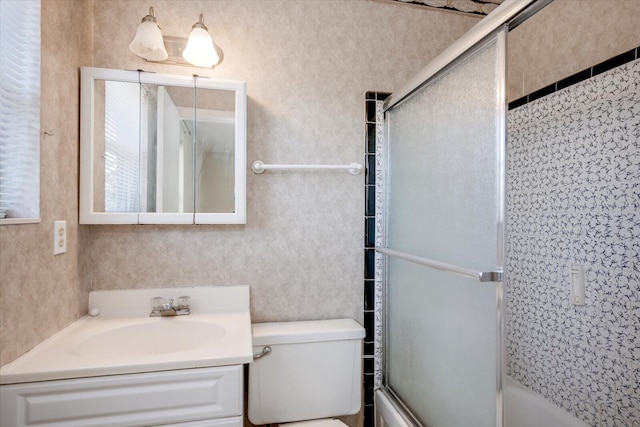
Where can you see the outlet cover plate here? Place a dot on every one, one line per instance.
(59, 237)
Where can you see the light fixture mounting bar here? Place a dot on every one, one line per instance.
(175, 46)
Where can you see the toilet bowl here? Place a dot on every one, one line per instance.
(311, 371)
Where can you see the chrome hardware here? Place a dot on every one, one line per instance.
(159, 308)
(483, 276)
(491, 276)
(265, 352)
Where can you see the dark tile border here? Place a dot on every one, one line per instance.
(368, 361)
(607, 65)
(576, 78)
(540, 93)
(616, 61)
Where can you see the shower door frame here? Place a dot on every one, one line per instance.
(494, 27)
(497, 275)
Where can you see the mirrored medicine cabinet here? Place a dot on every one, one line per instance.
(161, 149)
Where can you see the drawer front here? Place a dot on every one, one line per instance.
(155, 398)
(224, 422)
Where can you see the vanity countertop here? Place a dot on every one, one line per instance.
(123, 339)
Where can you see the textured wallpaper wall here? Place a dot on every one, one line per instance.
(307, 65)
(574, 197)
(39, 293)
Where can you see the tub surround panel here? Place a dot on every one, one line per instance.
(574, 197)
(41, 293)
(307, 65)
(568, 36)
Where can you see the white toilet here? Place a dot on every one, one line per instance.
(313, 372)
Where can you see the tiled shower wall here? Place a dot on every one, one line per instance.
(372, 290)
(574, 198)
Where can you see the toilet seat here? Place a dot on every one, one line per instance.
(326, 422)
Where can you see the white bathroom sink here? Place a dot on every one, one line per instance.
(123, 339)
(152, 336)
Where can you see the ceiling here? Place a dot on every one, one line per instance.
(475, 7)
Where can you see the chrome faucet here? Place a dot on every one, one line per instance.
(160, 308)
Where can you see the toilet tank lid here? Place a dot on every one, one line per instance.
(306, 331)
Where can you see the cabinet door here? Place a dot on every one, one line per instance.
(156, 398)
(161, 149)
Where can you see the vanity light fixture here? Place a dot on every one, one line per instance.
(199, 50)
(148, 43)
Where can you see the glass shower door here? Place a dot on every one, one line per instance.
(444, 243)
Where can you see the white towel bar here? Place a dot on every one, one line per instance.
(259, 167)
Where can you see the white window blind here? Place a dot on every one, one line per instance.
(19, 109)
(122, 147)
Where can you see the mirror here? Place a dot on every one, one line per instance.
(161, 149)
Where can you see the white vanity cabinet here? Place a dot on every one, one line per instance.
(123, 368)
(199, 397)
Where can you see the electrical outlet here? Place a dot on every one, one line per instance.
(59, 237)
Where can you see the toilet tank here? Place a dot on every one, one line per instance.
(314, 370)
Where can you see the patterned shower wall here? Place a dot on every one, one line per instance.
(573, 196)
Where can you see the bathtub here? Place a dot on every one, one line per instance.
(523, 408)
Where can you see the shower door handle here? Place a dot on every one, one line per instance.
(482, 276)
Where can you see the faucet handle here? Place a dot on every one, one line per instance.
(183, 302)
(160, 306)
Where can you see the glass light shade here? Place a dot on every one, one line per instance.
(148, 42)
(200, 50)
